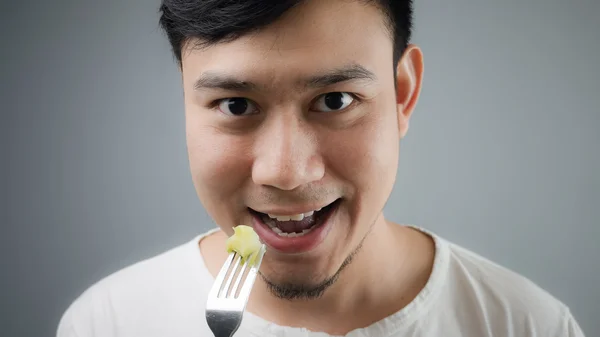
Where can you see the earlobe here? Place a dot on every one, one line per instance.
(409, 76)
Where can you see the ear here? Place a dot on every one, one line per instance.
(409, 75)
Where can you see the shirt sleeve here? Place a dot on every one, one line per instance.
(570, 327)
(65, 326)
(88, 316)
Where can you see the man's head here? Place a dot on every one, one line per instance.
(294, 111)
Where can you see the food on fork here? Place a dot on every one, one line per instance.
(244, 242)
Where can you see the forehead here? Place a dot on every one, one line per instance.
(316, 36)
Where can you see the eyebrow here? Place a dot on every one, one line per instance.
(348, 73)
(353, 72)
(214, 80)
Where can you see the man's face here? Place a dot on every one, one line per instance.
(297, 117)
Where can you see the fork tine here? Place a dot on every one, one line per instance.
(236, 263)
(249, 282)
(221, 276)
(234, 290)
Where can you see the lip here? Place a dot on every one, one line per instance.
(295, 245)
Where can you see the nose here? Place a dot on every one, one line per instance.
(286, 155)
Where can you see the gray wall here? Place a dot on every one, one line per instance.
(501, 156)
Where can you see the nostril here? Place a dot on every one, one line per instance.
(287, 175)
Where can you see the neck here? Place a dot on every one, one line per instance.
(392, 266)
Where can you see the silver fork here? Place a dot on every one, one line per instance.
(226, 304)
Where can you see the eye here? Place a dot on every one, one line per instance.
(333, 101)
(237, 106)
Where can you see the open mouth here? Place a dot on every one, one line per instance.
(296, 225)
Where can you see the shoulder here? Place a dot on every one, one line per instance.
(504, 299)
(142, 290)
(498, 282)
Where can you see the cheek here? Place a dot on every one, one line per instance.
(366, 159)
(218, 164)
(367, 152)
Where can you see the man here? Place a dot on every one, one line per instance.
(294, 114)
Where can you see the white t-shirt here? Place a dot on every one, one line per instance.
(466, 295)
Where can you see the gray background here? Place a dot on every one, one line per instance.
(501, 157)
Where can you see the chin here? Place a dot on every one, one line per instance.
(286, 269)
(292, 286)
(307, 276)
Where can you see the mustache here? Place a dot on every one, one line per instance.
(305, 195)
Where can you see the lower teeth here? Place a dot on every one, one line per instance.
(290, 235)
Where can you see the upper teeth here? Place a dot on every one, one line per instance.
(294, 217)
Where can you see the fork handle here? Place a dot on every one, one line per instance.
(224, 324)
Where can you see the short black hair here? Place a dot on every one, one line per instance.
(214, 21)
